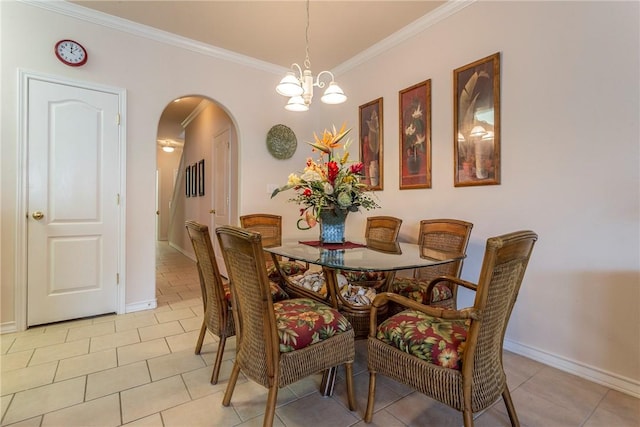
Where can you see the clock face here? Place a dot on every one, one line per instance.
(71, 53)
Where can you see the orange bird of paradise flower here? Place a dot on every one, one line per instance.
(330, 140)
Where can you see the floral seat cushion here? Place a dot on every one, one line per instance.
(437, 341)
(290, 268)
(364, 276)
(277, 293)
(417, 290)
(302, 322)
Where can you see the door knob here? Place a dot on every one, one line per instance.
(212, 211)
(157, 212)
(37, 215)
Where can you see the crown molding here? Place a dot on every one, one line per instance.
(421, 24)
(120, 24)
(199, 108)
(96, 17)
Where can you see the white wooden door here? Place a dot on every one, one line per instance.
(221, 163)
(73, 202)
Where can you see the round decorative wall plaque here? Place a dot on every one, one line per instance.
(281, 142)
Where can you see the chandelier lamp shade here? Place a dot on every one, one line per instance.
(298, 85)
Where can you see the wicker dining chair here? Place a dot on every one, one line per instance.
(217, 309)
(454, 356)
(447, 235)
(270, 227)
(380, 229)
(279, 343)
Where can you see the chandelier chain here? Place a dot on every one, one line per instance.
(307, 61)
(299, 89)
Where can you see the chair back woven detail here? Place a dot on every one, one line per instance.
(448, 235)
(383, 228)
(217, 316)
(269, 226)
(482, 380)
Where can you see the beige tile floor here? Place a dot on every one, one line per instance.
(140, 369)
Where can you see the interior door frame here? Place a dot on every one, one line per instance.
(20, 285)
(215, 186)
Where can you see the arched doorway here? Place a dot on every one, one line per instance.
(197, 179)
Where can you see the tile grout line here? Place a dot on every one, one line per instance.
(595, 407)
(13, 341)
(120, 406)
(13, 395)
(161, 418)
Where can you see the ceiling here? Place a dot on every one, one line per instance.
(271, 31)
(274, 31)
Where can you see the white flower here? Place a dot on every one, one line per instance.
(311, 176)
(410, 130)
(417, 113)
(419, 139)
(328, 188)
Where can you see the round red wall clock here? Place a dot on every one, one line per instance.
(71, 53)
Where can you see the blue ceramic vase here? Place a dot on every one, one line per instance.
(332, 225)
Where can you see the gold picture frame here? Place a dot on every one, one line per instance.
(476, 122)
(371, 144)
(415, 136)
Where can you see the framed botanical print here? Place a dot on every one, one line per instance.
(476, 122)
(415, 136)
(371, 143)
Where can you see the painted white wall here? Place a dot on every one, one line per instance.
(570, 112)
(153, 73)
(570, 157)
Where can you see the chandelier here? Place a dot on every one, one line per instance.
(299, 88)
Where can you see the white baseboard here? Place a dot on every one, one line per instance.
(183, 252)
(140, 306)
(608, 379)
(8, 327)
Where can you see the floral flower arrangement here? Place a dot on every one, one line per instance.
(328, 182)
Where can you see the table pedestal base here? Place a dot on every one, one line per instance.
(328, 381)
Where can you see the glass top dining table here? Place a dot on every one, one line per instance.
(354, 255)
(363, 255)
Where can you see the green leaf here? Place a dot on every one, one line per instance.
(319, 147)
(283, 188)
